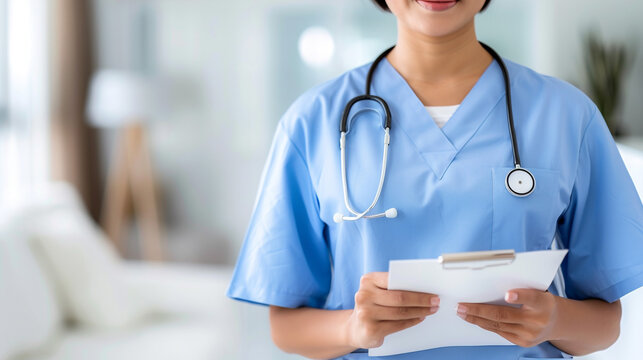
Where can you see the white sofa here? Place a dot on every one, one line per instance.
(194, 326)
(182, 312)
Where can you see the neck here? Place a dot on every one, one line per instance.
(434, 60)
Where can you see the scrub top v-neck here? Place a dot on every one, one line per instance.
(441, 114)
(448, 187)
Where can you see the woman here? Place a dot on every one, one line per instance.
(325, 281)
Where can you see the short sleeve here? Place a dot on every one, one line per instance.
(284, 259)
(603, 224)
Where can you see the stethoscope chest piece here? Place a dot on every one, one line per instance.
(520, 182)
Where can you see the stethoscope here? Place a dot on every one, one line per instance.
(519, 181)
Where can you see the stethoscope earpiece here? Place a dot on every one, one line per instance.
(389, 214)
(337, 218)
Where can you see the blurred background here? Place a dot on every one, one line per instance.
(133, 135)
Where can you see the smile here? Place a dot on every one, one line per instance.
(436, 5)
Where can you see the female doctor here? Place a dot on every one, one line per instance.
(518, 163)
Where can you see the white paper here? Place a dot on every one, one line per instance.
(535, 270)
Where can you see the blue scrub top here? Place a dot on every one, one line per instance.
(448, 187)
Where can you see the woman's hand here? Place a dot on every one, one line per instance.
(379, 312)
(529, 325)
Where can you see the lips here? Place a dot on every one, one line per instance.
(437, 5)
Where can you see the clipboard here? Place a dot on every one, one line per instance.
(477, 277)
(477, 259)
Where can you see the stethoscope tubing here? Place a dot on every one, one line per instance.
(392, 212)
(510, 115)
(359, 215)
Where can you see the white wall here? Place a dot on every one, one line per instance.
(618, 21)
(553, 30)
(230, 58)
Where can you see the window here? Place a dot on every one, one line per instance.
(3, 63)
(23, 99)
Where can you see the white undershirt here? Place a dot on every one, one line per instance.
(441, 114)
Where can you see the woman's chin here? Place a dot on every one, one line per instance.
(435, 28)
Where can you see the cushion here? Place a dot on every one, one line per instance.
(86, 268)
(29, 312)
(83, 264)
(195, 320)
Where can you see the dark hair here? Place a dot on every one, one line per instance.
(382, 4)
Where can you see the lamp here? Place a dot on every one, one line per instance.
(126, 101)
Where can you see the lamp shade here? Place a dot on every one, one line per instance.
(118, 98)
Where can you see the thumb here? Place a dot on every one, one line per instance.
(527, 297)
(380, 279)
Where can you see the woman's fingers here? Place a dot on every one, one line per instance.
(493, 325)
(402, 298)
(497, 313)
(379, 311)
(376, 285)
(402, 313)
(517, 334)
(393, 326)
(376, 279)
(521, 327)
(529, 297)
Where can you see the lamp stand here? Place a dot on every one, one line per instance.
(131, 182)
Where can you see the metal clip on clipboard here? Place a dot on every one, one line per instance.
(477, 260)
